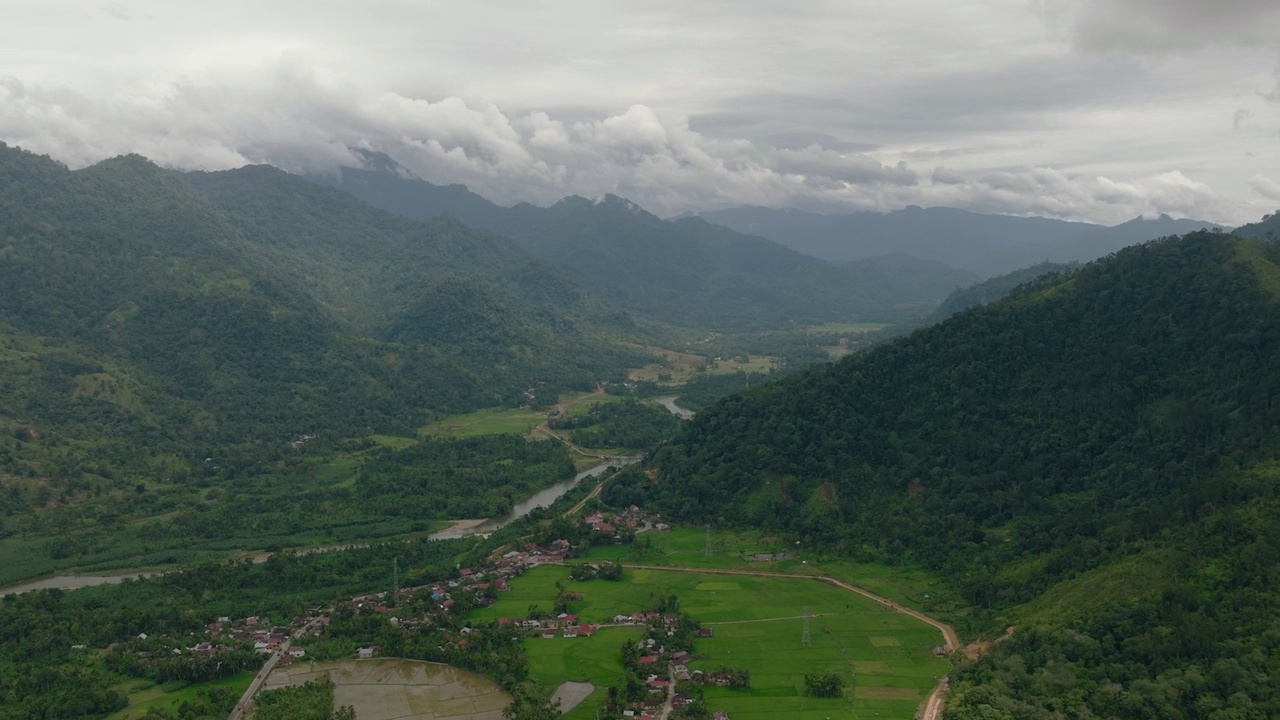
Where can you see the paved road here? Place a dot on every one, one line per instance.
(237, 713)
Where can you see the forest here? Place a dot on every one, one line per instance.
(1122, 416)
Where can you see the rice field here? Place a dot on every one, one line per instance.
(759, 624)
(393, 689)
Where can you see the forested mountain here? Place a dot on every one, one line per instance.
(993, 289)
(1266, 229)
(687, 273)
(1095, 458)
(148, 318)
(984, 244)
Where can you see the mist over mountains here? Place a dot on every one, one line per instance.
(983, 245)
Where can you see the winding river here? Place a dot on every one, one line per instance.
(463, 528)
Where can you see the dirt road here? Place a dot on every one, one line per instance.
(932, 707)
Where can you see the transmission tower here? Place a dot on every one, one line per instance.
(707, 552)
(804, 637)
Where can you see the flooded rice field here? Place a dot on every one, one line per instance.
(390, 689)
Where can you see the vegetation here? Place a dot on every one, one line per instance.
(686, 273)
(826, 684)
(313, 700)
(629, 424)
(758, 627)
(205, 356)
(1035, 447)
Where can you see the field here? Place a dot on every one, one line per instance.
(485, 422)
(144, 695)
(393, 689)
(852, 328)
(684, 547)
(885, 657)
(496, 421)
(675, 368)
(754, 364)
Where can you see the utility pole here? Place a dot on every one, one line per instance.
(804, 637)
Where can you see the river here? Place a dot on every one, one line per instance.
(669, 403)
(542, 498)
(463, 528)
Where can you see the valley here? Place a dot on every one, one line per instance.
(244, 394)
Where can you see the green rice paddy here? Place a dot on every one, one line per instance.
(886, 657)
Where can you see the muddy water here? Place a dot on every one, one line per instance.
(392, 689)
(463, 528)
(669, 403)
(69, 582)
(543, 498)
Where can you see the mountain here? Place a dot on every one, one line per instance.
(985, 244)
(149, 317)
(995, 288)
(1094, 459)
(687, 273)
(1266, 229)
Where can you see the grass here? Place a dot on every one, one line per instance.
(144, 694)
(886, 657)
(730, 365)
(846, 328)
(494, 421)
(675, 365)
(686, 547)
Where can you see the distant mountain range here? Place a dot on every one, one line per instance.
(986, 245)
(687, 273)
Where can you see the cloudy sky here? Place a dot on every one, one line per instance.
(1082, 109)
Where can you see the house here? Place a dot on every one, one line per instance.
(367, 652)
(549, 633)
(297, 651)
(682, 700)
(706, 632)
(720, 715)
(646, 660)
(681, 658)
(586, 630)
(570, 631)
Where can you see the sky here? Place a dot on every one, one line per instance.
(1098, 110)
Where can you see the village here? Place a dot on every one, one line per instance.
(655, 664)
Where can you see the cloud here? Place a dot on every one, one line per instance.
(287, 113)
(1165, 26)
(1265, 186)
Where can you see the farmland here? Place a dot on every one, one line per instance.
(885, 657)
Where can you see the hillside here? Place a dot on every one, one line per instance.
(1093, 458)
(984, 244)
(686, 273)
(166, 337)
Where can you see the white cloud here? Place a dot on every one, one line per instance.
(1265, 186)
(679, 104)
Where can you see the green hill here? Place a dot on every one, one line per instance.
(165, 337)
(1093, 458)
(687, 273)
